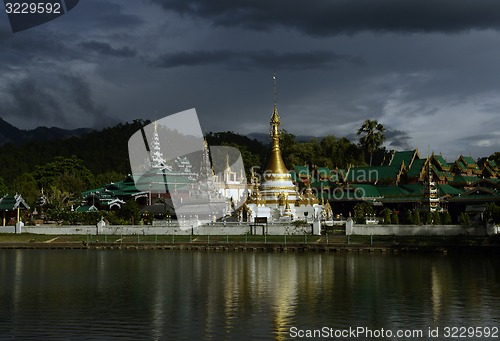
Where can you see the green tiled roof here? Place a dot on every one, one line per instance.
(416, 168)
(323, 172)
(320, 184)
(392, 191)
(341, 173)
(479, 191)
(469, 161)
(442, 162)
(367, 191)
(400, 199)
(299, 173)
(488, 167)
(123, 188)
(463, 179)
(12, 202)
(476, 198)
(414, 189)
(489, 181)
(335, 175)
(448, 175)
(448, 190)
(86, 208)
(461, 166)
(373, 174)
(438, 173)
(400, 157)
(353, 192)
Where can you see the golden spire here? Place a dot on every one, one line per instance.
(274, 79)
(275, 164)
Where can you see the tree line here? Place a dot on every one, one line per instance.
(66, 167)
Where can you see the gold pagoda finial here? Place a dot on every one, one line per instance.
(274, 78)
(275, 164)
(275, 118)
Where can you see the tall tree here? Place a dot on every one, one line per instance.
(67, 174)
(373, 136)
(25, 184)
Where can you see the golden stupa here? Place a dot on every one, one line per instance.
(277, 180)
(276, 197)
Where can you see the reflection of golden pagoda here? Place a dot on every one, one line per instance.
(277, 196)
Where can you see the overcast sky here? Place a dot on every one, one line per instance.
(429, 70)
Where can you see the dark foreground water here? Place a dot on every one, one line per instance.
(184, 295)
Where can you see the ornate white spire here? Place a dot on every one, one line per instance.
(157, 160)
(206, 170)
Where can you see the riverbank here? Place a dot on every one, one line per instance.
(251, 243)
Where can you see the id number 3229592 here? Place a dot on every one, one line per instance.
(33, 7)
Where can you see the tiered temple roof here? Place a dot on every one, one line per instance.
(405, 180)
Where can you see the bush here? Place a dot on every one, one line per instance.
(428, 218)
(436, 218)
(446, 218)
(464, 219)
(395, 218)
(361, 210)
(113, 218)
(416, 217)
(387, 216)
(407, 217)
(493, 212)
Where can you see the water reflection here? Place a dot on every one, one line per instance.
(58, 294)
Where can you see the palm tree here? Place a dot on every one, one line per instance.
(373, 136)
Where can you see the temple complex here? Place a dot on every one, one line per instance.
(404, 182)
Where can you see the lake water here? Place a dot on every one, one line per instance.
(187, 295)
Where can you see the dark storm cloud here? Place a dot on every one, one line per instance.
(255, 59)
(82, 95)
(21, 48)
(397, 139)
(58, 98)
(325, 17)
(31, 100)
(107, 49)
(394, 139)
(477, 145)
(80, 92)
(104, 16)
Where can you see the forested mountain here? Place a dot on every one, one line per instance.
(16, 136)
(101, 151)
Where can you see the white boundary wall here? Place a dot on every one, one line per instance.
(417, 230)
(215, 229)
